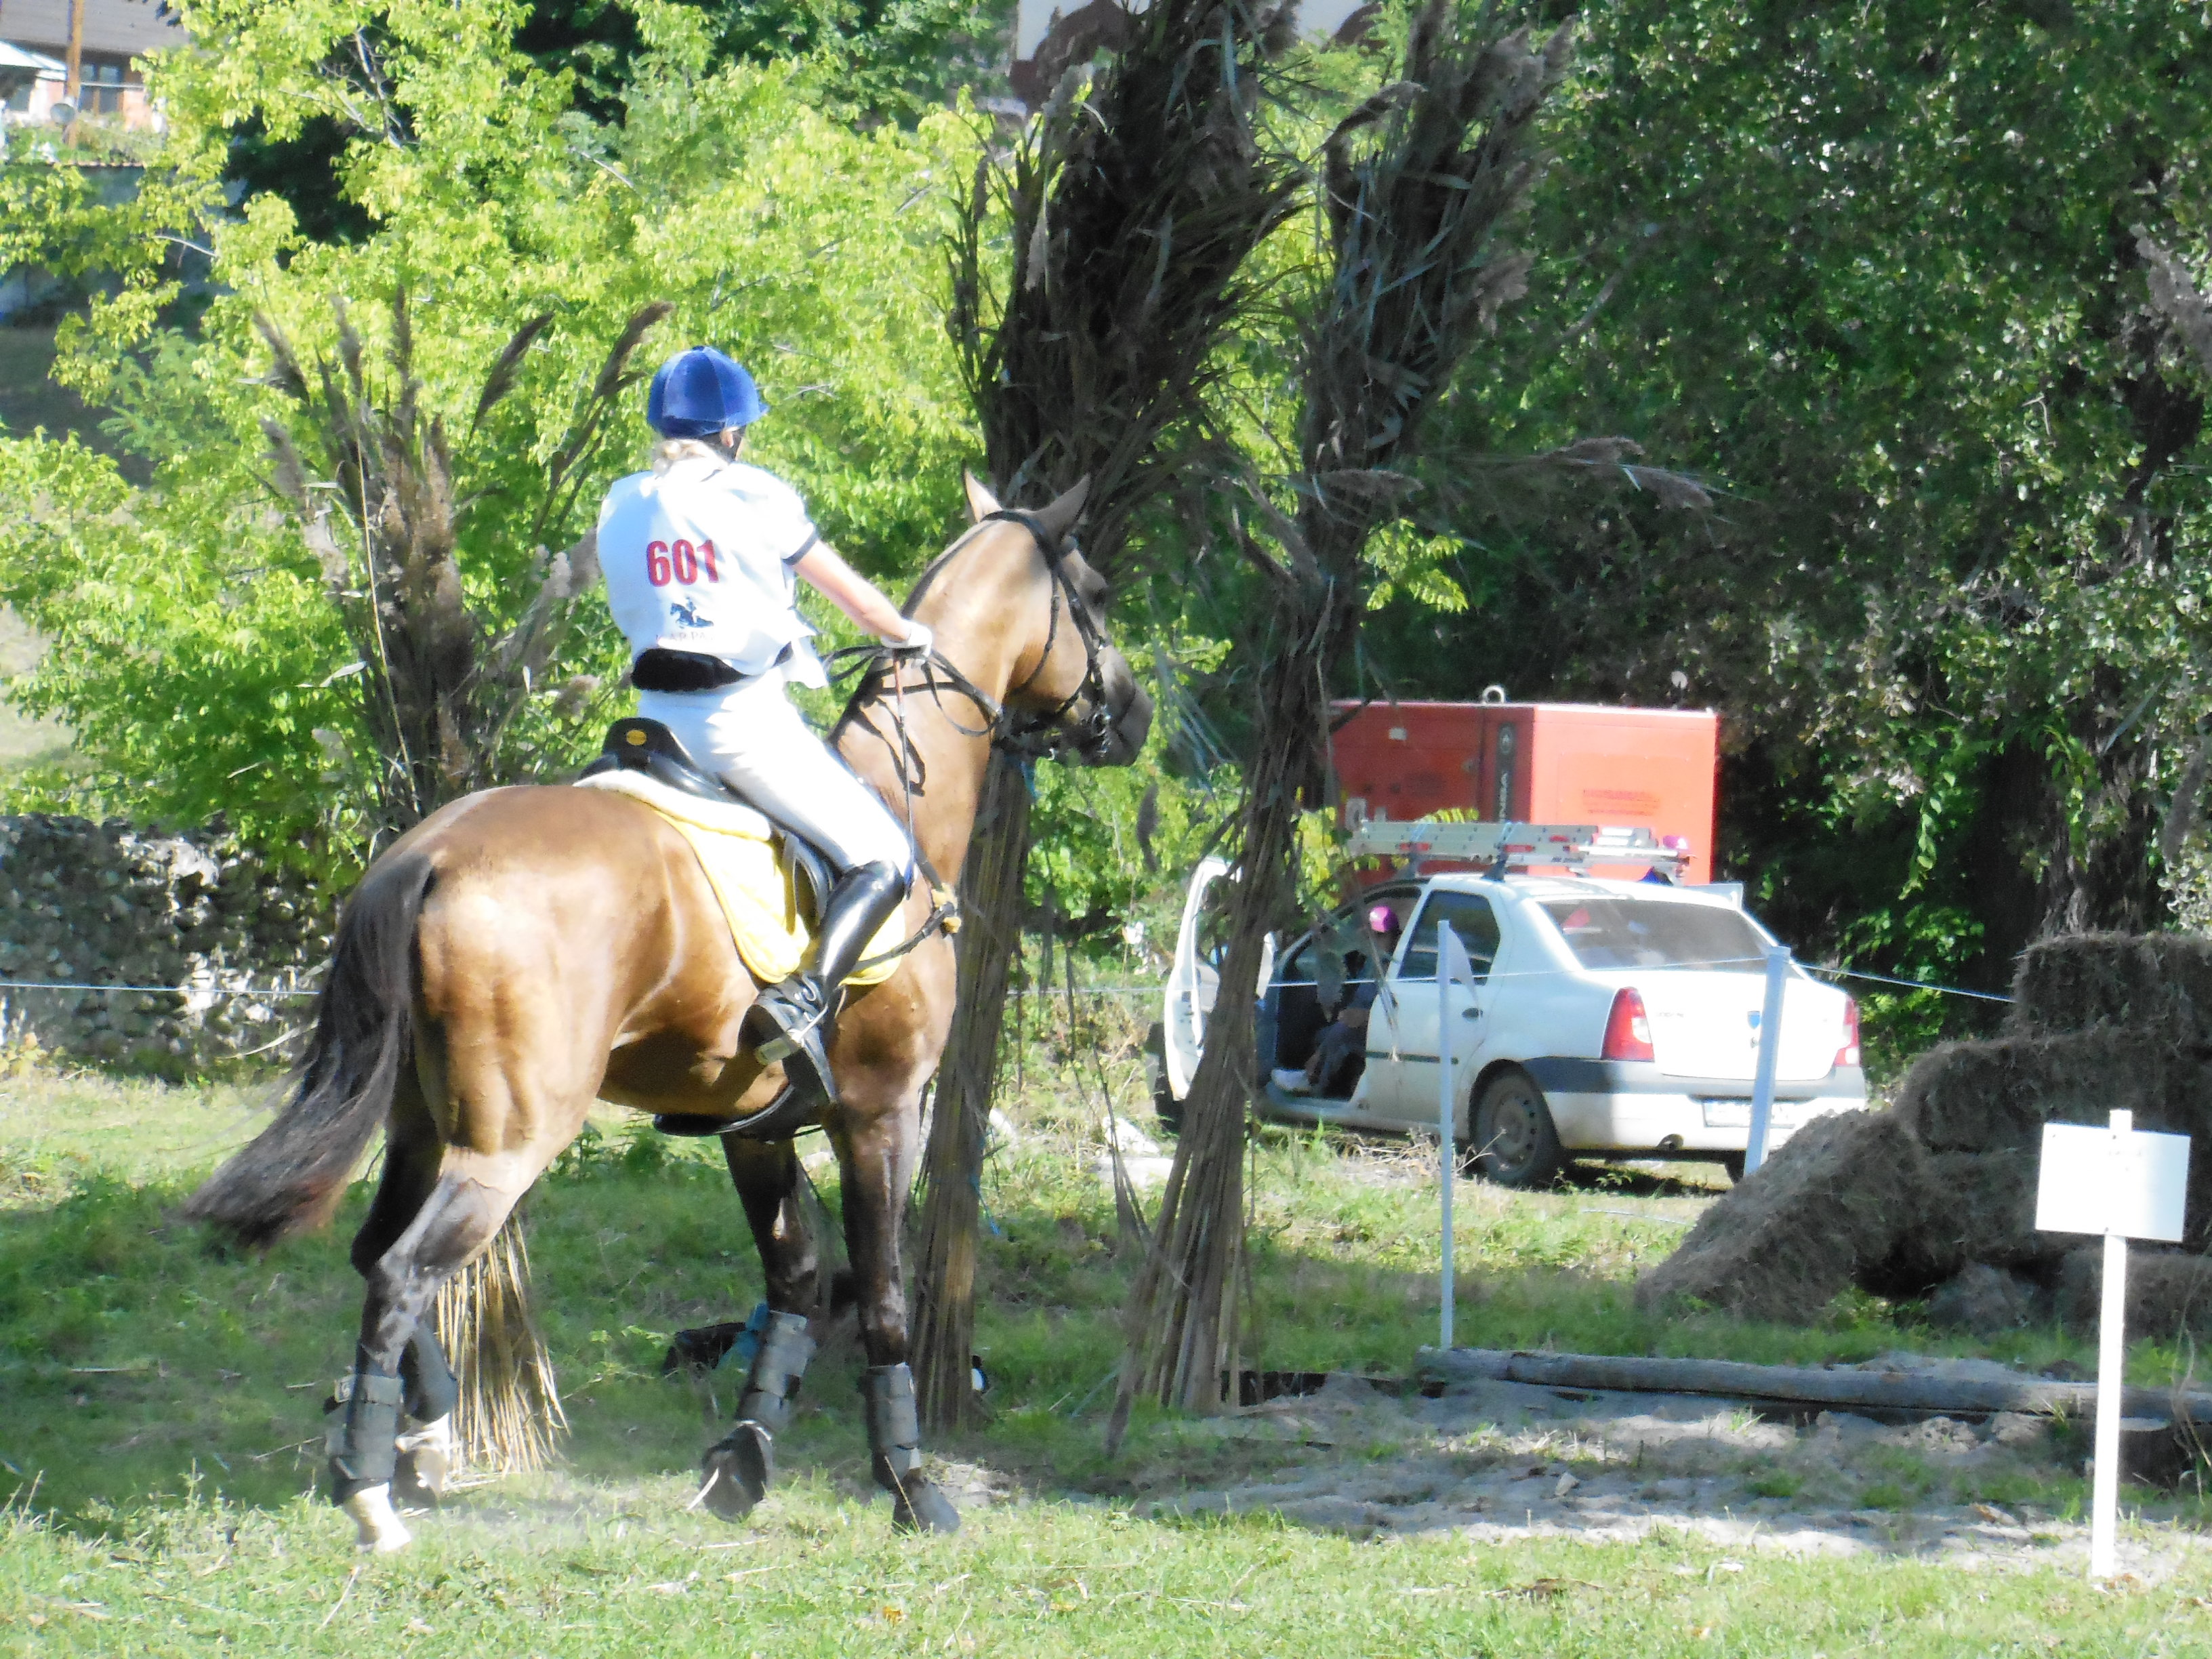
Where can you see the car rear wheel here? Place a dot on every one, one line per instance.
(1515, 1142)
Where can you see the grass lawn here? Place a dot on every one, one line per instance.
(159, 1426)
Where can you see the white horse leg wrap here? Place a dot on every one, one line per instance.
(379, 1529)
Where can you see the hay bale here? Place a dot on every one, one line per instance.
(2084, 983)
(2159, 982)
(1987, 1213)
(1996, 1096)
(1987, 1301)
(2169, 1294)
(1835, 1201)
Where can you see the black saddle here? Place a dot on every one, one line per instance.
(647, 746)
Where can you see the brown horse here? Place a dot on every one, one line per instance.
(526, 951)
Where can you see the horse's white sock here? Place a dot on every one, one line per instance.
(434, 1451)
(380, 1529)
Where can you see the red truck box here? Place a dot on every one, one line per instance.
(1535, 762)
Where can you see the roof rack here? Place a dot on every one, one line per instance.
(1515, 846)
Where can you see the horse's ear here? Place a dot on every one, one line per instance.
(1059, 517)
(981, 503)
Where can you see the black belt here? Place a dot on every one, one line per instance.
(662, 670)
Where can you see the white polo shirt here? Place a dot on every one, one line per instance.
(699, 558)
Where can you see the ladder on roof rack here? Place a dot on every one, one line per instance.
(1516, 845)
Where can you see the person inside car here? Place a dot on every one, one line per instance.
(1340, 1050)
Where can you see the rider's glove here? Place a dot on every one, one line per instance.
(917, 638)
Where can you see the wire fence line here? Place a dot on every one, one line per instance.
(1917, 984)
(1702, 965)
(7, 985)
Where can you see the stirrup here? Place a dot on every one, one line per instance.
(785, 1032)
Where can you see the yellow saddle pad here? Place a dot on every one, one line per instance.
(751, 871)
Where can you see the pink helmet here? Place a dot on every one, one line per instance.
(1382, 919)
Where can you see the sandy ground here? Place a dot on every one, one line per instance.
(1497, 1462)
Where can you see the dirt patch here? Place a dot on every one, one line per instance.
(1500, 1462)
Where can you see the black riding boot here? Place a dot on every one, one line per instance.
(791, 1021)
(741, 1466)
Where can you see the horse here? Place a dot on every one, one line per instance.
(527, 949)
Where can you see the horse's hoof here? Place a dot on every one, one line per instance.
(918, 1506)
(379, 1530)
(426, 1464)
(738, 1469)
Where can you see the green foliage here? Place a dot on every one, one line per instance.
(1870, 274)
(806, 248)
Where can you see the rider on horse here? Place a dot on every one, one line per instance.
(701, 555)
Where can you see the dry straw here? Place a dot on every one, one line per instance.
(509, 1419)
(1130, 207)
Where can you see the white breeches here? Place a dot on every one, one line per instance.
(749, 735)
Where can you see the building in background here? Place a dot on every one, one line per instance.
(34, 41)
(1051, 34)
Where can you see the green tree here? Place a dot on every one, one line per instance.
(1871, 274)
(807, 248)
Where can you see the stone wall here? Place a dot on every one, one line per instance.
(220, 936)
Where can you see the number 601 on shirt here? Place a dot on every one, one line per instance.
(679, 561)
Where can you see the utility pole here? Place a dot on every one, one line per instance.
(73, 88)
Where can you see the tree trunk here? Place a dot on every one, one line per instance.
(952, 1165)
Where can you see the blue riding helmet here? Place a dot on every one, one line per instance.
(699, 392)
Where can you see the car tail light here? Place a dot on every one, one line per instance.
(1849, 1054)
(1628, 1029)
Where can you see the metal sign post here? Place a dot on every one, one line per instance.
(2125, 1185)
(1452, 966)
(1446, 941)
(1770, 1055)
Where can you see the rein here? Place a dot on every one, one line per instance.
(1017, 734)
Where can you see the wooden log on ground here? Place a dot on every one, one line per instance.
(1800, 1385)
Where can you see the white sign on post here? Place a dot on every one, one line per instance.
(2123, 1184)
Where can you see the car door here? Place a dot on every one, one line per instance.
(1194, 978)
(1404, 1088)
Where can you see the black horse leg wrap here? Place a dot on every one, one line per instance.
(773, 1382)
(432, 1390)
(894, 1425)
(363, 1424)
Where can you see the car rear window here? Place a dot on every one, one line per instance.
(1611, 932)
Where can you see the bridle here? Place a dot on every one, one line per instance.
(1043, 735)
(1032, 735)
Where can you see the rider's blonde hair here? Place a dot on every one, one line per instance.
(669, 450)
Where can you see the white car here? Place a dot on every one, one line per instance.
(1612, 1019)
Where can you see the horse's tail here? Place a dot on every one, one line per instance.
(290, 1176)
